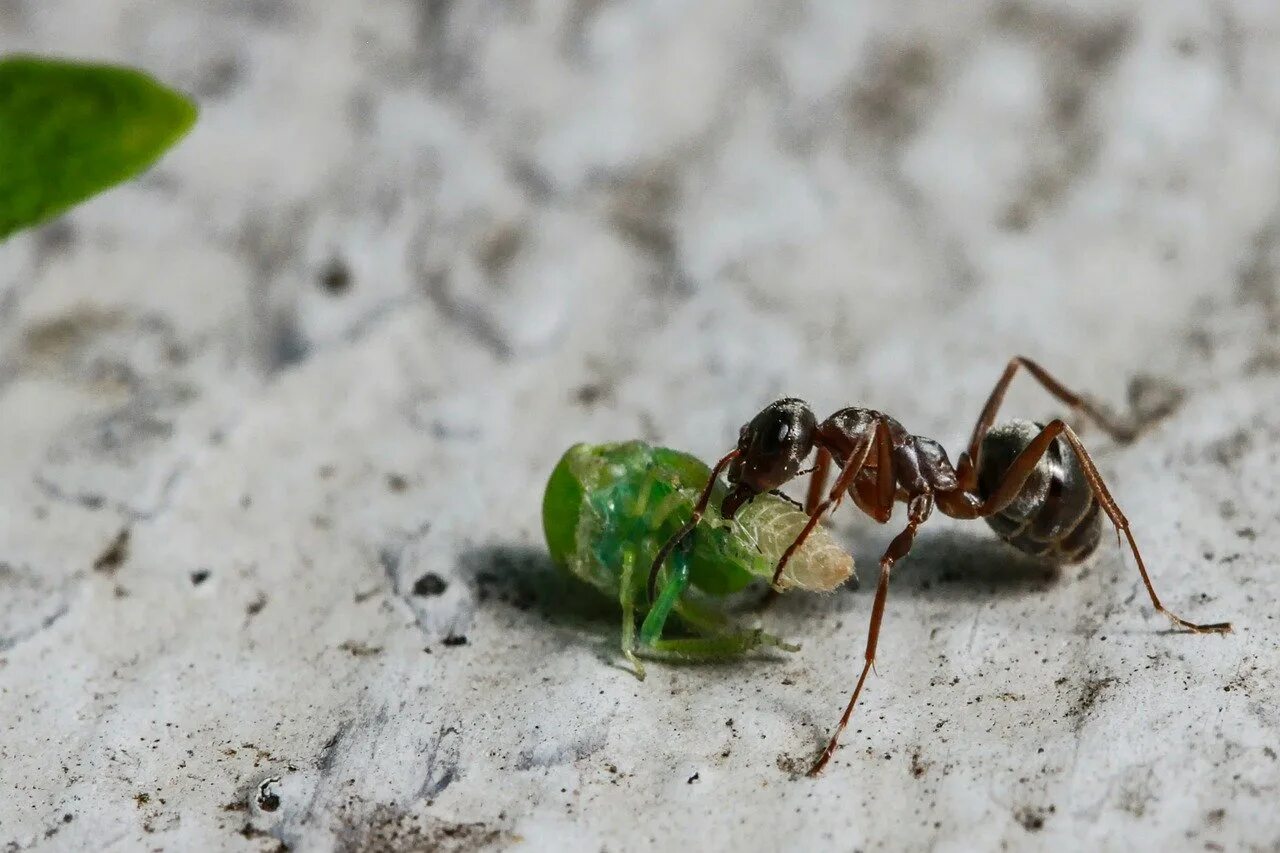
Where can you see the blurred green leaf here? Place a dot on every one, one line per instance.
(69, 130)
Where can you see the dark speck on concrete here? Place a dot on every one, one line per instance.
(335, 277)
(591, 393)
(455, 640)
(114, 555)
(430, 584)
(1032, 818)
(268, 799)
(360, 650)
(199, 576)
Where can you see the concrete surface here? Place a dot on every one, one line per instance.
(252, 403)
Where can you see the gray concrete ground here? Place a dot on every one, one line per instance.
(334, 343)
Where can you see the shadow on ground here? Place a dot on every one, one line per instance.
(524, 577)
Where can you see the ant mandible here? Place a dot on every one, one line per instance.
(1035, 485)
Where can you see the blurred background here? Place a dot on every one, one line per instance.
(413, 249)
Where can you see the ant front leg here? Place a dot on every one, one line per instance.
(967, 468)
(918, 511)
(874, 436)
(819, 473)
(1025, 463)
(818, 481)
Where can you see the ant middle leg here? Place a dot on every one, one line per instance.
(918, 511)
(967, 468)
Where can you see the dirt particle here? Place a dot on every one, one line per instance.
(918, 767)
(430, 584)
(397, 483)
(694, 778)
(253, 608)
(141, 799)
(388, 828)
(590, 393)
(268, 799)
(1215, 816)
(1230, 449)
(115, 554)
(199, 576)
(793, 765)
(455, 640)
(1032, 818)
(251, 832)
(360, 650)
(335, 277)
(1089, 693)
(236, 806)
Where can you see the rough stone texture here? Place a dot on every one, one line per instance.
(276, 420)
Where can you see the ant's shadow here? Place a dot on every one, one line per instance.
(950, 564)
(961, 566)
(523, 577)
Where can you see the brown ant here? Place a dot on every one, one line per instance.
(1034, 484)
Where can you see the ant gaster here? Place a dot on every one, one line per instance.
(1035, 485)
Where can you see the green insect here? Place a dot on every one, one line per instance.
(609, 508)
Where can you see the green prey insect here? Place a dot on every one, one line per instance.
(609, 508)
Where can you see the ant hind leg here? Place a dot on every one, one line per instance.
(1016, 476)
(967, 466)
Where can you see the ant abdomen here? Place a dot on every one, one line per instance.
(1055, 515)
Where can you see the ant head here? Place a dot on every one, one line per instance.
(771, 450)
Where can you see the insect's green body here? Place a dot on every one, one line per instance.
(608, 509)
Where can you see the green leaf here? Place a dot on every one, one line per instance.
(69, 130)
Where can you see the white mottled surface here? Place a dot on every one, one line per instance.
(572, 221)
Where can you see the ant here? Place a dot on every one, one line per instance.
(1034, 484)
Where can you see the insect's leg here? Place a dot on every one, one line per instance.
(711, 623)
(851, 468)
(724, 641)
(967, 468)
(699, 508)
(694, 649)
(1112, 509)
(626, 598)
(1016, 476)
(664, 603)
(919, 511)
(818, 480)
